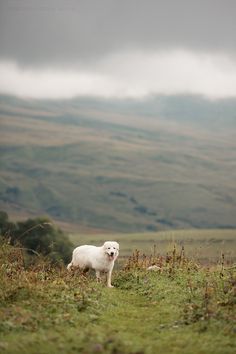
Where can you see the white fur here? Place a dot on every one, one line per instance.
(155, 268)
(101, 259)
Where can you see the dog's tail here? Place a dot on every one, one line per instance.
(69, 266)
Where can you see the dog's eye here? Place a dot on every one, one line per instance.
(109, 248)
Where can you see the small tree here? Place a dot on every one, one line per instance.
(37, 234)
(40, 235)
(7, 228)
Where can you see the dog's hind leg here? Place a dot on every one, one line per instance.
(69, 266)
(98, 276)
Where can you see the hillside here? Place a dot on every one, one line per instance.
(168, 162)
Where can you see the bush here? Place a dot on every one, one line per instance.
(39, 235)
(7, 228)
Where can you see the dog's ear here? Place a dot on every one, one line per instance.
(117, 245)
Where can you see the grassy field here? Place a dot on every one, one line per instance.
(107, 168)
(205, 246)
(180, 309)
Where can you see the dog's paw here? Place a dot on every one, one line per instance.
(110, 286)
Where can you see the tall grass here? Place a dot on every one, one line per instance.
(45, 309)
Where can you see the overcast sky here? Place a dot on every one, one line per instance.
(122, 48)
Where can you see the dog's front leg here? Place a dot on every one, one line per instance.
(109, 279)
(98, 277)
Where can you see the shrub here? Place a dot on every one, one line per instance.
(38, 235)
(6, 227)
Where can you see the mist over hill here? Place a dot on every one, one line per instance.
(122, 165)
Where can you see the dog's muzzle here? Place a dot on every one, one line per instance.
(111, 256)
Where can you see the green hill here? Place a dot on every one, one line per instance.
(168, 162)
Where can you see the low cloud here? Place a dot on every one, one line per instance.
(127, 74)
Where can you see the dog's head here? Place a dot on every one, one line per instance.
(111, 248)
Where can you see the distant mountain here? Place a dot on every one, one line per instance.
(124, 165)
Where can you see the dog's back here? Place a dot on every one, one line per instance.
(82, 256)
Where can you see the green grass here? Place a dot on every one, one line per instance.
(180, 309)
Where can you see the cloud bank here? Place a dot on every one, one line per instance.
(127, 74)
(48, 32)
(117, 48)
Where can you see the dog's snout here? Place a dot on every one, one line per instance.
(112, 253)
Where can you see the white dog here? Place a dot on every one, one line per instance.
(101, 259)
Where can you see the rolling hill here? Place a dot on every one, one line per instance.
(166, 162)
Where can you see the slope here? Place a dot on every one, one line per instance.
(116, 166)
